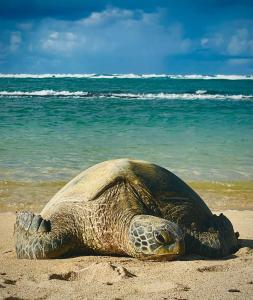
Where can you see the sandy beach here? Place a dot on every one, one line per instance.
(166, 82)
(97, 277)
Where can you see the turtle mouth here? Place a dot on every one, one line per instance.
(163, 257)
(166, 252)
(169, 252)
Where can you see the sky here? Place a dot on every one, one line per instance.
(133, 36)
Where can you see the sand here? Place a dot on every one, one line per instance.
(96, 277)
(33, 195)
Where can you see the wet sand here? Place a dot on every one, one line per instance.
(95, 277)
(19, 195)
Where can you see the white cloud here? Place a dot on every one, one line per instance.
(25, 26)
(54, 35)
(240, 42)
(3, 50)
(15, 41)
(204, 42)
(114, 31)
(113, 40)
(59, 42)
(240, 61)
(70, 36)
(230, 39)
(214, 41)
(106, 16)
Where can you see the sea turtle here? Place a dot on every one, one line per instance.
(124, 207)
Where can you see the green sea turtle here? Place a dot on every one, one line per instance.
(124, 207)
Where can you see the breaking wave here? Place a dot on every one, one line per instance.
(198, 95)
(44, 93)
(130, 76)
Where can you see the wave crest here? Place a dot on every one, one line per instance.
(198, 95)
(131, 76)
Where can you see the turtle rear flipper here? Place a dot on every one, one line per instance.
(35, 239)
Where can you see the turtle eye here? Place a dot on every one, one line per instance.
(162, 237)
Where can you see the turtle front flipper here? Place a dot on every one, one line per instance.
(36, 239)
(218, 241)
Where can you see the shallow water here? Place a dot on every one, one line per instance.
(33, 195)
(52, 128)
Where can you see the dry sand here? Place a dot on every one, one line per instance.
(106, 277)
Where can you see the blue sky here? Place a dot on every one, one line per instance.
(141, 36)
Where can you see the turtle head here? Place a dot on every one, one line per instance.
(155, 238)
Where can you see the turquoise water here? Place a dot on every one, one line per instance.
(51, 128)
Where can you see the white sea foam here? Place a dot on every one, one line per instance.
(200, 92)
(130, 76)
(43, 93)
(198, 95)
(46, 75)
(210, 77)
(185, 96)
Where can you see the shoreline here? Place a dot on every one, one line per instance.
(33, 195)
(108, 277)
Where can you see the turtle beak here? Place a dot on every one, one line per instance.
(171, 251)
(179, 248)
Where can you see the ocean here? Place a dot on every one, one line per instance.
(53, 126)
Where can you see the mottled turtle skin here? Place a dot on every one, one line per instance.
(124, 207)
